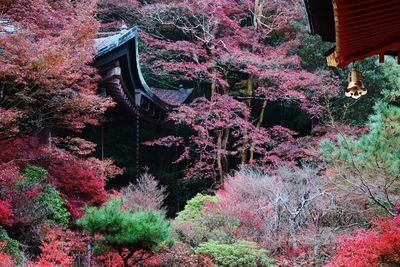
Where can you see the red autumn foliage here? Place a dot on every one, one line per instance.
(60, 248)
(374, 247)
(5, 259)
(214, 36)
(8, 176)
(207, 118)
(8, 122)
(222, 118)
(77, 179)
(45, 68)
(6, 213)
(20, 212)
(219, 40)
(108, 259)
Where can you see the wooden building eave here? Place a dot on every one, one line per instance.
(118, 63)
(360, 29)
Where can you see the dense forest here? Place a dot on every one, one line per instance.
(267, 164)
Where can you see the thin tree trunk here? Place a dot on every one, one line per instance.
(219, 158)
(213, 82)
(223, 140)
(44, 136)
(259, 122)
(124, 259)
(214, 71)
(258, 9)
(250, 83)
(127, 257)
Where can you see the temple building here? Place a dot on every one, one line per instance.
(360, 28)
(117, 61)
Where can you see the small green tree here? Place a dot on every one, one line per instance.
(240, 253)
(370, 166)
(125, 231)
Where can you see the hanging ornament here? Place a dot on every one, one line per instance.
(356, 87)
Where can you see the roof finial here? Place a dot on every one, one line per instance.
(123, 27)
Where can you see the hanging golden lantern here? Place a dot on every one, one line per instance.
(356, 87)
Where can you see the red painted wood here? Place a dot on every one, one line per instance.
(366, 28)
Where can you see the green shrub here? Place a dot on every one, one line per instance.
(194, 227)
(34, 174)
(240, 253)
(193, 207)
(11, 246)
(49, 198)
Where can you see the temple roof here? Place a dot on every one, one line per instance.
(360, 28)
(117, 60)
(113, 40)
(172, 97)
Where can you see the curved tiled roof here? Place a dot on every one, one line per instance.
(110, 42)
(122, 49)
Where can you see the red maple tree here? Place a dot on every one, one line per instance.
(80, 181)
(47, 84)
(245, 60)
(46, 79)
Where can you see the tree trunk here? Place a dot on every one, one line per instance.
(124, 259)
(225, 139)
(258, 9)
(213, 81)
(250, 83)
(44, 137)
(260, 120)
(214, 71)
(127, 257)
(222, 160)
(219, 158)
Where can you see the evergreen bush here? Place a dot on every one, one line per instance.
(240, 253)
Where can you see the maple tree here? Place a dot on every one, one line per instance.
(47, 82)
(373, 247)
(80, 181)
(238, 52)
(60, 247)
